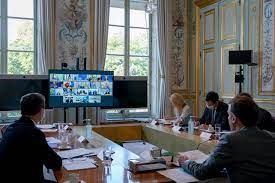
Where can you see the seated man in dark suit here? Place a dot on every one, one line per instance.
(215, 112)
(23, 149)
(247, 154)
(265, 121)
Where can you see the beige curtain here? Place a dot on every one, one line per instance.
(45, 35)
(163, 34)
(101, 24)
(45, 44)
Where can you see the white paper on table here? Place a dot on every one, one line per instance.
(178, 175)
(52, 140)
(49, 130)
(196, 155)
(45, 126)
(205, 135)
(146, 155)
(78, 164)
(138, 147)
(48, 174)
(78, 152)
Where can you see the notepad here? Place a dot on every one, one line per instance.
(78, 152)
(178, 175)
(49, 130)
(196, 155)
(52, 140)
(45, 126)
(78, 164)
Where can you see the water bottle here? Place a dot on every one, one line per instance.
(191, 125)
(88, 129)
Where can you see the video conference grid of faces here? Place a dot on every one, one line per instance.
(81, 88)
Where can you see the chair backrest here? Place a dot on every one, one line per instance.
(273, 117)
(3, 129)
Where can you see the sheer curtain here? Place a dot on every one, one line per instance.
(101, 19)
(163, 24)
(45, 43)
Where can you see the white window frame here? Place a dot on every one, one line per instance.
(4, 36)
(124, 113)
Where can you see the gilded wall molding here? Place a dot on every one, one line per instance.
(205, 15)
(205, 52)
(203, 3)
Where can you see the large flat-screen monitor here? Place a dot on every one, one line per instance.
(130, 92)
(240, 57)
(13, 87)
(70, 88)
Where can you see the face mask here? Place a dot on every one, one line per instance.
(210, 107)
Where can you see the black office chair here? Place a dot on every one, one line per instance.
(3, 129)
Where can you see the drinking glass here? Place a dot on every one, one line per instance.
(218, 130)
(60, 127)
(107, 157)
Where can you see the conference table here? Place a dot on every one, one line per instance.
(109, 136)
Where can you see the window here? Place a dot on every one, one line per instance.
(129, 41)
(18, 37)
(128, 50)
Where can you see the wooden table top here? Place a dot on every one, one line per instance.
(118, 171)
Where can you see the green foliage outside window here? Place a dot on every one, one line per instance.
(22, 62)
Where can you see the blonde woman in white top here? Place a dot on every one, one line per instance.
(181, 109)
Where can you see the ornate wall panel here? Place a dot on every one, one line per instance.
(267, 60)
(179, 69)
(71, 31)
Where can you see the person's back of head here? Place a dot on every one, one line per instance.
(177, 100)
(244, 94)
(244, 109)
(33, 105)
(212, 96)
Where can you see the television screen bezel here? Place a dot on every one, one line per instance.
(130, 78)
(246, 63)
(25, 77)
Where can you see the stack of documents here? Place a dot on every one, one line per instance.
(49, 130)
(45, 126)
(78, 163)
(78, 153)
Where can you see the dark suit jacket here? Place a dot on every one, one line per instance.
(221, 116)
(265, 121)
(248, 156)
(23, 151)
